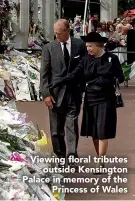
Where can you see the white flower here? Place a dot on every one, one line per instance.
(110, 59)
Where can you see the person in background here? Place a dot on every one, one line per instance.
(123, 56)
(77, 31)
(131, 43)
(119, 28)
(114, 21)
(108, 25)
(71, 32)
(95, 22)
(123, 36)
(118, 21)
(123, 22)
(103, 24)
(132, 18)
(113, 35)
(129, 26)
(128, 20)
(71, 28)
(99, 71)
(103, 29)
(59, 58)
(99, 29)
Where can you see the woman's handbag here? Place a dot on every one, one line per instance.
(119, 99)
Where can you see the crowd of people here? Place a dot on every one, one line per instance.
(115, 30)
(120, 34)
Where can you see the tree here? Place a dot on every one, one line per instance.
(124, 5)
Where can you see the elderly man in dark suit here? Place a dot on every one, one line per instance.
(59, 58)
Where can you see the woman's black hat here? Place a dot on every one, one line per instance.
(94, 37)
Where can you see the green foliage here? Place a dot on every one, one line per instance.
(125, 5)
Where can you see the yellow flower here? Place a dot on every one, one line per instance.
(56, 194)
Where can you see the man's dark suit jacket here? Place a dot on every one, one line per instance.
(53, 68)
(131, 46)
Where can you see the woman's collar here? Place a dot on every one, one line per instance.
(102, 53)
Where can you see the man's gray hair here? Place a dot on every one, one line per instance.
(64, 22)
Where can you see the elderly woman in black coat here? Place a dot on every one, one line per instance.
(97, 72)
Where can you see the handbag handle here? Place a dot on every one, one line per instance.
(117, 87)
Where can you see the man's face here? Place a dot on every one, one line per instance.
(96, 17)
(61, 32)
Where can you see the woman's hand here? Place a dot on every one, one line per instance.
(56, 84)
(105, 81)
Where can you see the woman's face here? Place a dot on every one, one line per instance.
(125, 30)
(92, 48)
(98, 29)
(103, 26)
(120, 29)
(129, 26)
(111, 28)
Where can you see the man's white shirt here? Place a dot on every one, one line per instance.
(68, 45)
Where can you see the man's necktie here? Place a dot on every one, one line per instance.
(66, 55)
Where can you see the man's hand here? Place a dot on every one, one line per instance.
(49, 101)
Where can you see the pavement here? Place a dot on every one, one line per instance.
(122, 146)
